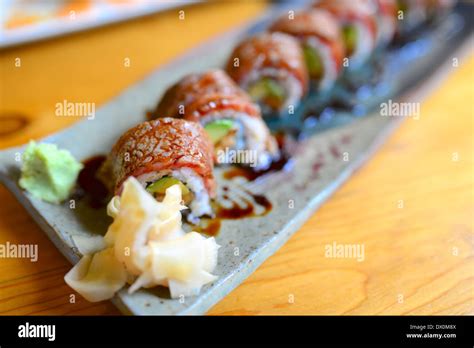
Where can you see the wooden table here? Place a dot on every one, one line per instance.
(411, 206)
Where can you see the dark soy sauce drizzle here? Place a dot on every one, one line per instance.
(212, 226)
(238, 212)
(90, 187)
(251, 174)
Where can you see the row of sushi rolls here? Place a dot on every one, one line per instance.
(206, 113)
(171, 156)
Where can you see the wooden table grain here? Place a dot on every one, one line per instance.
(411, 206)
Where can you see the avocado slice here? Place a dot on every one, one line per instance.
(349, 34)
(269, 91)
(313, 62)
(160, 186)
(218, 129)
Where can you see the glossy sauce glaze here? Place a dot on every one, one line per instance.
(281, 163)
(251, 174)
(210, 227)
(258, 205)
(236, 211)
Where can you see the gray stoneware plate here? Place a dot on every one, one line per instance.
(332, 147)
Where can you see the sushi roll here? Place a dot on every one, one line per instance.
(321, 40)
(386, 21)
(165, 152)
(271, 68)
(357, 19)
(232, 121)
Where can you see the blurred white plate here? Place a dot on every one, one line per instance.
(101, 12)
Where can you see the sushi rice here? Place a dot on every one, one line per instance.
(252, 135)
(291, 85)
(201, 203)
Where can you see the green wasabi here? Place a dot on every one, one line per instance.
(48, 173)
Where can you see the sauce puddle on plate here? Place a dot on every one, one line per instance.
(90, 187)
(236, 211)
(233, 211)
(251, 174)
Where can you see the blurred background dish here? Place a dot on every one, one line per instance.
(23, 21)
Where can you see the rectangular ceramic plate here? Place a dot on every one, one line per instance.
(331, 151)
